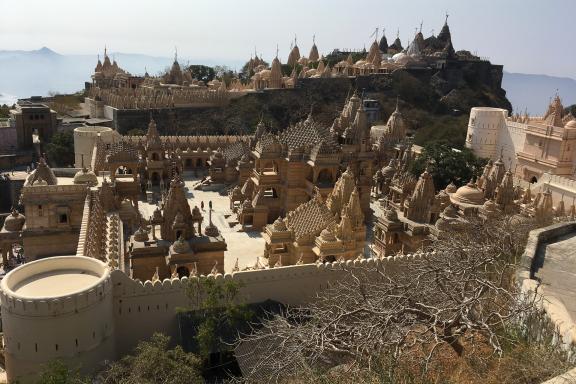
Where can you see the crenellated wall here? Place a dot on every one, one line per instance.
(108, 319)
(75, 325)
(157, 303)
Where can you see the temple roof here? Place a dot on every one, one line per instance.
(383, 45)
(122, 151)
(236, 150)
(444, 35)
(313, 55)
(309, 133)
(309, 218)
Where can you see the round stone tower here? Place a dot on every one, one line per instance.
(84, 140)
(484, 128)
(57, 308)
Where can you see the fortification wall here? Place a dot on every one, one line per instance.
(77, 327)
(510, 142)
(158, 302)
(84, 140)
(484, 130)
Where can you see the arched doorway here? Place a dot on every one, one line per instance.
(183, 271)
(533, 180)
(155, 178)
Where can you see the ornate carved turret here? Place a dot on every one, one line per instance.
(505, 193)
(418, 207)
(177, 216)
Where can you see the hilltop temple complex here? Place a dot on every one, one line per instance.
(126, 100)
(118, 238)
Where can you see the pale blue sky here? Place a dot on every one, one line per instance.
(530, 36)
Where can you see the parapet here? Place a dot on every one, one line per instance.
(284, 273)
(55, 286)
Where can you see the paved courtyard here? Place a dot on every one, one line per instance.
(245, 247)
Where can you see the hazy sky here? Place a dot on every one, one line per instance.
(530, 36)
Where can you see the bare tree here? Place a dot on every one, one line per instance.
(462, 295)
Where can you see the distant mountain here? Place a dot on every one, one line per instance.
(39, 72)
(534, 91)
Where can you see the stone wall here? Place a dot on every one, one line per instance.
(157, 303)
(557, 314)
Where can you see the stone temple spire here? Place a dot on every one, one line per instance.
(383, 45)
(505, 193)
(422, 199)
(276, 73)
(153, 140)
(313, 56)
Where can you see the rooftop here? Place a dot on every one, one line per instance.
(54, 277)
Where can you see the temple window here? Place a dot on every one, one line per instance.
(40, 211)
(270, 192)
(324, 177)
(63, 218)
(63, 214)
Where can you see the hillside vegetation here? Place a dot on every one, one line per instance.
(435, 109)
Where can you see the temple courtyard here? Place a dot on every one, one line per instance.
(246, 247)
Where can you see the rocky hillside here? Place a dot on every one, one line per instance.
(434, 103)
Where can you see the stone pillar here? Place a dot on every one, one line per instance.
(4, 256)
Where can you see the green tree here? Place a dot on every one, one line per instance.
(201, 72)
(60, 149)
(56, 372)
(154, 362)
(448, 165)
(4, 111)
(136, 132)
(220, 312)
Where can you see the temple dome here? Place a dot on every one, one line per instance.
(451, 188)
(327, 235)
(279, 225)
(141, 235)
(180, 246)
(469, 194)
(389, 170)
(14, 222)
(85, 176)
(391, 214)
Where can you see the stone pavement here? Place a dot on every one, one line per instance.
(244, 246)
(558, 274)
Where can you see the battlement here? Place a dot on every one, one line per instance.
(281, 275)
(55, 286)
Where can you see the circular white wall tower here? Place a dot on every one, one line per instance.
(84, 140)
(57, 308)
(484, 127)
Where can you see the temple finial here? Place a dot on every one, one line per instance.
(421, 23)
(447, 15)
(314, 39)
